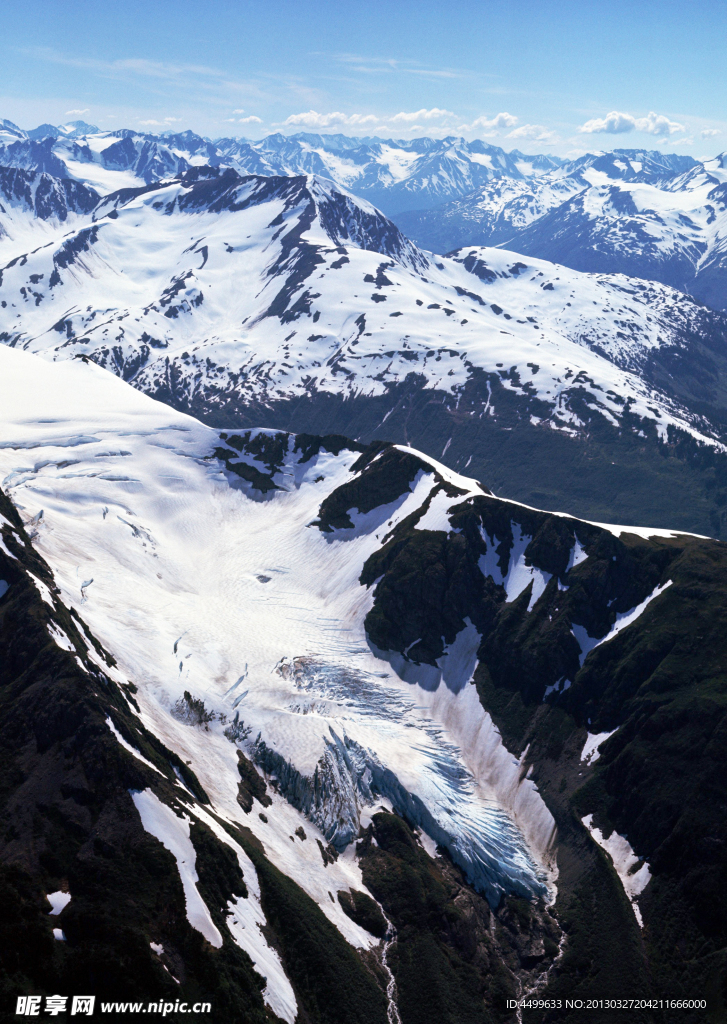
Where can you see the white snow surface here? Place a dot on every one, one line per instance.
(245, 923)
(591, 753)
(587, 643)
(43, 590)
(132, 750)
(624, 860)
(172, 831)
(519, 574)
(58, 900)
(60, 637)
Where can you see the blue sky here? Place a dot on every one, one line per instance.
(556, 76)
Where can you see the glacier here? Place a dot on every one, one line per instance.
(217, 587)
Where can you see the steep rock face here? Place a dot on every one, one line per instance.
(454, 958)
(42, 195)
(31, 155)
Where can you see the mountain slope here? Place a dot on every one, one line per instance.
(347, 620)
(33, 204)
(287, 299)
(676, 234)
(612, 214)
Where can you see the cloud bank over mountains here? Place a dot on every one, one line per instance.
(616, 123)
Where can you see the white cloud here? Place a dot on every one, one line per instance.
(240, 111)
(612, 123)
(161, 124)
(533, 132)
(251, 120)
(501, 120)
(708, 133)
(68, 113)
(658, 124)
(615, 123)
(420, 115)
(388, 65)
(312, 119)
(492, 125)
(409, 119)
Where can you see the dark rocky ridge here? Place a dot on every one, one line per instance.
(662, 684)
(43, 195)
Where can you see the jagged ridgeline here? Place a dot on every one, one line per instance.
(357, 740)
(288, 300)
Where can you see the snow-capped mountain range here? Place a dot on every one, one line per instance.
(262, 288)
(392, 174)
(640, 212)
(623, 212)
(229, 295)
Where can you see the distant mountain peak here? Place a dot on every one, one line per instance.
(77, 129)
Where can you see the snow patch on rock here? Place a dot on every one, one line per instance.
(624, 861)
(172, 831)
(591, 752)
